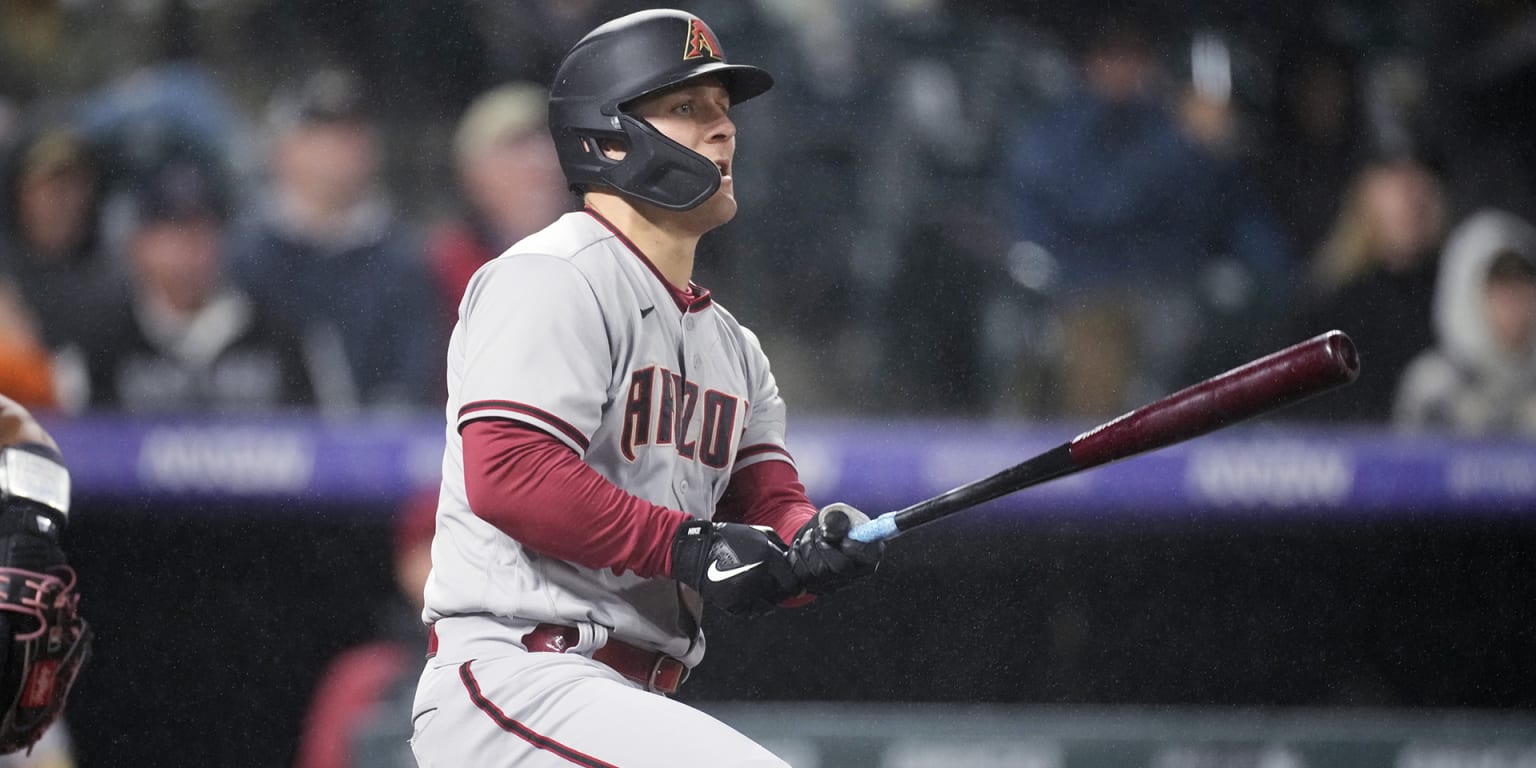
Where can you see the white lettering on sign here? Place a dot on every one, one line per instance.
(1270, 474)
(974, 754)
(1485, 474)
(1470, 756)
(226, 460)
(1205, 756)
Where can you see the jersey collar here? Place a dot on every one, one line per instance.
(692, 300)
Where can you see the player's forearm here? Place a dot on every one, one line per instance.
(767, 493)
(536, 490)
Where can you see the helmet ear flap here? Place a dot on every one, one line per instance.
(657, 169)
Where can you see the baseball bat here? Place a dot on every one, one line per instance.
(1274, 381)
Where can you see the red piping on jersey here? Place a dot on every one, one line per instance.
(469, 409)
(692, 300)
(753, 450)
(520, 730)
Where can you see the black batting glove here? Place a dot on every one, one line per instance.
(743, 569)
(824, 559)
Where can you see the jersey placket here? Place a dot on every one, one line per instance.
(688, 480)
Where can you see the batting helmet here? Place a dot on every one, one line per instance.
(609, 69)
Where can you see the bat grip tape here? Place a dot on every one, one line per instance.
(878, 529)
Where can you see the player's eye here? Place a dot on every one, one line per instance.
(685, 108)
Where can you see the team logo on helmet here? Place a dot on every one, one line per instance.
(701, 42)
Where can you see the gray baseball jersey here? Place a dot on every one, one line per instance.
(575, 332)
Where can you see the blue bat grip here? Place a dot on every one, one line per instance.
(878, 529)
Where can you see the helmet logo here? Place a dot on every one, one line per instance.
(701, 42)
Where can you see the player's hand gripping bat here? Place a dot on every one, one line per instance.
(1270, 382)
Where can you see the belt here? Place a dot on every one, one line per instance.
(657, 671)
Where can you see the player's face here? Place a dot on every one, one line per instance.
(696, 115)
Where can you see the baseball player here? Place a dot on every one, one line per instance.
(615, 453)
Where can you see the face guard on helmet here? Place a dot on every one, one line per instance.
(613, 66)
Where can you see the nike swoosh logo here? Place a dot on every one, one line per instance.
(646, 311)
(715, 574)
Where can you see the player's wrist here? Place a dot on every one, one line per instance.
(824, 558)
(743, 569)
(34, 490)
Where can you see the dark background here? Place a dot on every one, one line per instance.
(214, 621)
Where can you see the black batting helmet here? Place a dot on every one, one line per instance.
(619, 62)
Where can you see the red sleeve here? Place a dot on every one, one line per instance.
(767, 493)
(536, 490)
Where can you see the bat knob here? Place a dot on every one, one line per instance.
(835, 522)
(1341, 350)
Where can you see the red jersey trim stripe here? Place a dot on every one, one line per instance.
(538, 740)
(686, 302)
(761, 448)
(483, 408)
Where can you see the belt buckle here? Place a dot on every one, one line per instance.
(650, 681)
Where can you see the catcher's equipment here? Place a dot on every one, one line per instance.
(43, 640)
(610, 68)
(741, 568)
(824, 558)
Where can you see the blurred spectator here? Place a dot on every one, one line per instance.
(185, 340)
(49, 232)
(1318, 136)
(26, 368)
(1373, 278)
(1142, 217)
(326, 251)
(525, 40)
(511, 182)
(360, 714)
(1481, 378)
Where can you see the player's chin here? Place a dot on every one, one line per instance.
(718, 209)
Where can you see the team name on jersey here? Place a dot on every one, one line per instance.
(660, 410)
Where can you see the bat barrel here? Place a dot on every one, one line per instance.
(1274, 381)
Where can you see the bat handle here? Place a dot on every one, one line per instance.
(878, 529)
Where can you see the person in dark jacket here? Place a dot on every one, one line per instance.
(185, 339)
(1374, 278)
(326, 251)
(49, 244)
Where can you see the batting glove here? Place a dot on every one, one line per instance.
(824, 559)
(743, 569)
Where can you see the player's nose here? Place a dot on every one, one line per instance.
(723, 128)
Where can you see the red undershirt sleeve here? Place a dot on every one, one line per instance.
(535, 489)
(767, 493)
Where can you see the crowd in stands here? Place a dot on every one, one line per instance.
(967, 207)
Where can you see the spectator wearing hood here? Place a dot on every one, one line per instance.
(49, 232)
(185, 339)
(1481, 377)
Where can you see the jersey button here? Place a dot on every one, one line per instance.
(688, 323)
(698, 360)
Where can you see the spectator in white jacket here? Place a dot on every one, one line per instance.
(1481, 377)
